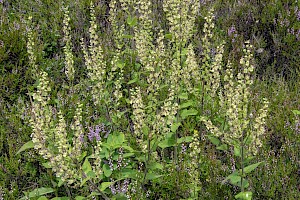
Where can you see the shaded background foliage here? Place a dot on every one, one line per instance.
(273, 27)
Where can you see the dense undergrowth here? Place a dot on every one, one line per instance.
(149, 100)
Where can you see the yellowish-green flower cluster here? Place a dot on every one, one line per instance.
(165, 65)
(77, 132)
(116, 74)
(181, 15)
(234, 102)
(138, 114)
(144, 36)
(62, 162)
(97, 162)
(41, 125)
(259, 127)
(69, 61)
(50, 138)
(193, 165)
(207, 43)
(153, 60)
(94, 61)
(30, 47)
(45, 133)
(214, 74)
(211, 61)
(191, 75)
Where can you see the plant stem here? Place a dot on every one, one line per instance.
(242, 162)
(95, 186)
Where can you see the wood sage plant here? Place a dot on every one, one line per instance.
(239, 128)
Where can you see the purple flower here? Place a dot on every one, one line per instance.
(81, 138)
(298, 15)
(94, 132)
(231, 30)
(121, 187)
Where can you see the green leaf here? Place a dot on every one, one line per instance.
(223, 147)
(237, 150)
(245, 183)
(120, 64)
(127, 36)
(60, 198)
(244, 195)
(168, 142)
(155, 165)
(168, 36)
(94, 194)
(82, 156)
(105, 185)
(120, 138)
(107, 171)
(60, 182)
(175, 126)
(132, 81)
(38, 192)
(235, 179)
(119, 197)
(252, 167)
(233, 175)
(152, 176)
(27, 145)
(131, 21)
(128, 148)
(91, 174)
(128, 173)
(79, 198)
(46, 165)
(84, 181)
(86, 166)
(184, 51)
(43, 198)
(185, 113)
(296, 112)
(183, 96)
(214, 140)
(109, 141)
(185, 139)
(127, 155)
(145, 130)
(187, 104)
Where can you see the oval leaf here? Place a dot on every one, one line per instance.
(214, 140)
(107, 171)
(244, 195)
(223, 147)
(86, 166)
(105, 185)
(185, 113)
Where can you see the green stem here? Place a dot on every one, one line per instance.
(242, 162)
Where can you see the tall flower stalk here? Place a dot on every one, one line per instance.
(238, 128)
